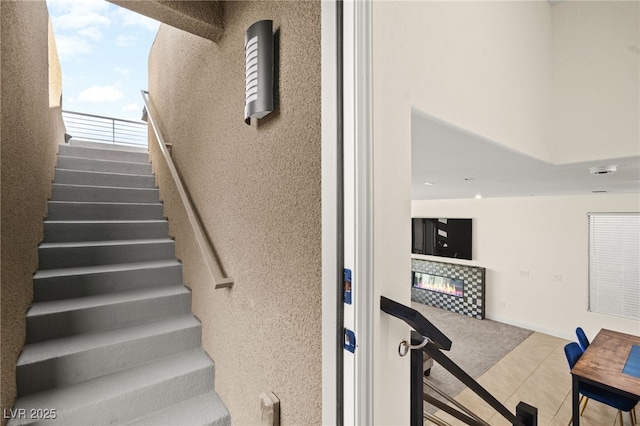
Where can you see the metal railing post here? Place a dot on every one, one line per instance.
(527, 414)
(416, 380)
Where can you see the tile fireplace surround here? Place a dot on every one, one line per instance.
(472, 303)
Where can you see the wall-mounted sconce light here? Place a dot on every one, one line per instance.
(259, 70)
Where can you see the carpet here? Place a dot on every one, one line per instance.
(477, 346)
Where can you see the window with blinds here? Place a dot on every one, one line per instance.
(614, 270)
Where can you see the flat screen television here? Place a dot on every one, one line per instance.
(441, 237)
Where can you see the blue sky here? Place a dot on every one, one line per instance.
(103, 51)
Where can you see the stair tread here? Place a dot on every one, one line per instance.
(82, 221)
(105, 243)
(105, 210)
(56, 348)
(102, 173)
(99, 159)
(117, 188)
(112, 154)
(65, 305)
(104, 203)
(77, 141)
(89, 392)
(114, 267)
(205, 409)
(104, 179)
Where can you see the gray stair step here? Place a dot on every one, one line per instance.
(203, 410)
(77, 210)
(86, 193)
(80, 177)
(62, 318)
(97, 165)
(77, 141)
(103, 154)
(68, 360)
(67, 255)
(63, 283)
(103, 230)
(126, 395)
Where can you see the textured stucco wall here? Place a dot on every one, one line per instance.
(55, 78)
(257, 189)
(203, 18)
(31, 130)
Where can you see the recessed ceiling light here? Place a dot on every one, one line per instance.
(603, 170)
(428, 183)
(469, 178)
(478, 195)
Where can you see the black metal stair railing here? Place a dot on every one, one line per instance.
(525, 415)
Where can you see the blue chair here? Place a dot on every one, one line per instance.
(573, 352)
(582, 339)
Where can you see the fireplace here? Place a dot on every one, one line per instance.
(454, 287)
(438, 283)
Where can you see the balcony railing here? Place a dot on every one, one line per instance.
(105, 129)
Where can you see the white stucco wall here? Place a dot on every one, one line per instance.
(483, 66)
(257, 191)
(596, 80)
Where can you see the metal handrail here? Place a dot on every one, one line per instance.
(203, 241)
(99, 128)
(451, 400)
(436, 343)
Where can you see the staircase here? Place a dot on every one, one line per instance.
(110, 334)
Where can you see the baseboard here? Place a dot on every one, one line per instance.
(530, 326)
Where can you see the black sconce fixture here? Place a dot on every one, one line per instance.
(259, 70)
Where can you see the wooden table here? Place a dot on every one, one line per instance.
(602, 364)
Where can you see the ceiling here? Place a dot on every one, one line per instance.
(460, 164)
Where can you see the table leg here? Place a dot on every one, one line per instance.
(575, 400)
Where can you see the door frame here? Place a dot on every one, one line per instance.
(347, 211)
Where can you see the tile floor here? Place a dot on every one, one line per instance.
(535, 372)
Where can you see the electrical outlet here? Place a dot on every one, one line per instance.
(557, 277)
(524, 274)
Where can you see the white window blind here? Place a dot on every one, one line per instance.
(614, 258)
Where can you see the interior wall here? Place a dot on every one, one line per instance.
(257, 190)
(535, 250)
(31, 129)
(557, 82)
(482, 66)
(596, 64)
